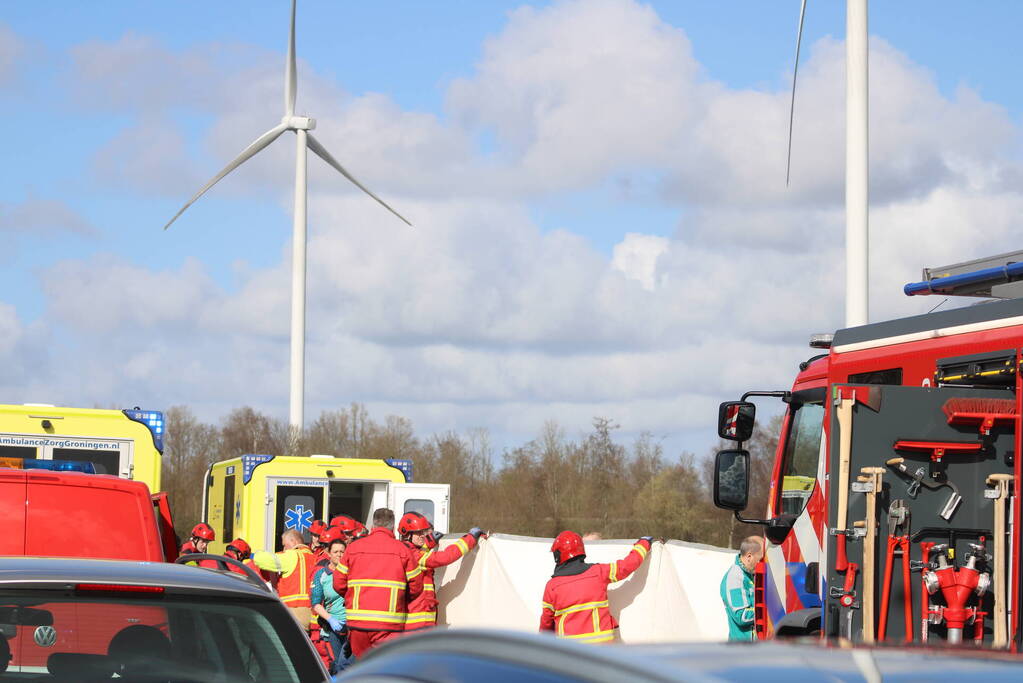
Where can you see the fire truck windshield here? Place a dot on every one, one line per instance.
(802, 451)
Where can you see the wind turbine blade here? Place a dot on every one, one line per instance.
(321, 152)
(261, 142)
(290, 81)
(792, 104)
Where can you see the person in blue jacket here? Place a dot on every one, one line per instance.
(737, 589)
(329, 607)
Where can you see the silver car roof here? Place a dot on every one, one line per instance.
(53, 572)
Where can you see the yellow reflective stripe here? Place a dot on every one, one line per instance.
(342, 568)
(640, 549)
(547, 605)
(462, 546)
(581, 607)
(423, 558)
(420, 617)
(429, 587)
(612, 575)
(380, 583)
(596, 620)
(414, 573)
(393, 604)
(375, 615)
(285, 598)
(598, 637)
(355, 598)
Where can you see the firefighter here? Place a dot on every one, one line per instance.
(737, 589)
(317, 527)
(575, 600)
(418, 534)
(295, 566)
(238, 549)
(202, 534)
(379, 576)
(352, 528)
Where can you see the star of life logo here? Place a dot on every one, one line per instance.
(298, 518)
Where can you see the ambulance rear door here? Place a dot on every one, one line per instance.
(430, 500)
(292, 503)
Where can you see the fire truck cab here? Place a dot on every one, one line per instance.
(930, 408)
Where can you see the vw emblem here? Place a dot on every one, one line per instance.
(45, 636)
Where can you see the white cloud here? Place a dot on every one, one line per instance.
(43, 217)
(477, 315)
(636, 257)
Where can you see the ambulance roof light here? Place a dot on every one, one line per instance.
(51, 465)
(250, 461)
(403, 465)
(152, 419)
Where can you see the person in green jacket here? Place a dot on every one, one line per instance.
(737, 589)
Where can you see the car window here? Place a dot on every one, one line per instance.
(64, 636)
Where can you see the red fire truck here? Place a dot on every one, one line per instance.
(894, 498)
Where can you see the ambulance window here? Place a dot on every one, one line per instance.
(106, 462)
(17, 452)
(423, 507)
(229, 508)
(802, 451)
(297, 507)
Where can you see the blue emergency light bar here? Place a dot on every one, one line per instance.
(153, 419)
(952, 284)
(58, 465)
(403, 465)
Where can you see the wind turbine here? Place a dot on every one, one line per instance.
(301, 125)
(857, 198)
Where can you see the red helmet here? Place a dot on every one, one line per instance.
(567, 545)
(412, 522)
(240, 548)
(317, 527)
(346, 524)
(360, 530)
(204, 531)
(331, 534)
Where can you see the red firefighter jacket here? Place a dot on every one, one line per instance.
(422, 610)
(188, 548)
(575, 599)
(378, 575)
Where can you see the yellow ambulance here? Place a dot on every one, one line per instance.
(258, 497)
(125, 443)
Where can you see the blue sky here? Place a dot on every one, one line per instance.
(120, 110)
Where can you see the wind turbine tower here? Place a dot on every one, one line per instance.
(857, 197)
(302, 127)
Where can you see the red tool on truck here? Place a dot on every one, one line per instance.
(929, 406)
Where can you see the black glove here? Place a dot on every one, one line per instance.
(437, 536)
(648, 539)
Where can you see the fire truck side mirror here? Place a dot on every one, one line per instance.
(735, 420)
(731, 480)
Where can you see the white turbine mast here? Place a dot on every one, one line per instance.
(857, 198)
(301, 125)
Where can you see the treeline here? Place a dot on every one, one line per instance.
(593, 484)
